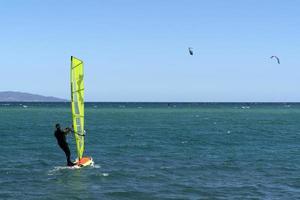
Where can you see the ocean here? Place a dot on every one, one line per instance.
(153, 151)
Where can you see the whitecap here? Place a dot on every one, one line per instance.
(60, 168)
(105, 174)
(245, 107)
(96, 166)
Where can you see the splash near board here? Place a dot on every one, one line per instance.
(77, 104)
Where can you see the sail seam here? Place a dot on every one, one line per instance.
(77, 65)
(77, 90)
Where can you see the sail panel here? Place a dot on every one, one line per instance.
(77, 103)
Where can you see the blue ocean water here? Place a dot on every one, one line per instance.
(153, 151)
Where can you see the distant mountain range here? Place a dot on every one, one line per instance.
(9, 96)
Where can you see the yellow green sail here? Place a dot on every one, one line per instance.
(77, 103)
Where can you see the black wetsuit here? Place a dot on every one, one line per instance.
(62, 142)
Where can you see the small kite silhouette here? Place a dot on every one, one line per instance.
(191, 51)
(278, 61)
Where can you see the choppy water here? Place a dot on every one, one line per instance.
(154, 151)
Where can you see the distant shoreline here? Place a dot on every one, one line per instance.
(21, 97)
(14, 96)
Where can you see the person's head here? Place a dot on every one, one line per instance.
(57, 126)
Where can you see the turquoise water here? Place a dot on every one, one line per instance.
(154, 151)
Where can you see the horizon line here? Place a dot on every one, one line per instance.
(202, 102)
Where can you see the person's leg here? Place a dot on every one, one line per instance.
(68, 154)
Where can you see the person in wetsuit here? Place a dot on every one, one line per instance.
(62, 142)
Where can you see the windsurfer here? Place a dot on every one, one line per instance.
(60, 135)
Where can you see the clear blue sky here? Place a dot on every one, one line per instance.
(137, 50)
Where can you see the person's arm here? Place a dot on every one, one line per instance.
(67, 130)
